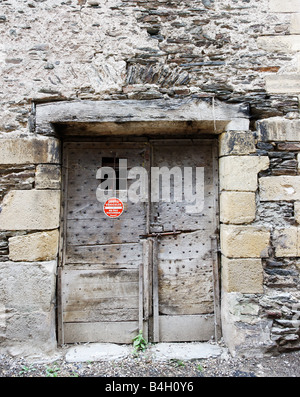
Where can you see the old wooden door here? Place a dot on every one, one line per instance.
(151, 268)
(101, 256)
(185, 298)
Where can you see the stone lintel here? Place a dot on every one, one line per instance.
(134, 116)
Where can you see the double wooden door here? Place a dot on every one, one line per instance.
(154, 268)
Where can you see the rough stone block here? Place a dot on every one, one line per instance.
(286, 44)
(237, 142)
(295, 24)
(240, 172)
(284, 6)
(244, 241)
(286, 242)
(242, 275)
(288, 146)
(282, 187)
(27, 291)
(48, 176)
(238, 309)
(297, 211)
(34, 247)
(237, 207)
(283, 84)
(30, 210)
(279, 129)
(29, 150)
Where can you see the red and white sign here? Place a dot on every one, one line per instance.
(113, 207)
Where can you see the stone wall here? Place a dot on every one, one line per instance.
(260, 237)
(279, 194)
(54, 50)
(30, 208)
(235, 51)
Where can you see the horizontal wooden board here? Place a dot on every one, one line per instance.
(102, 332)
(86, 189)
(105, 145)
(186, 328)
(111, 253)
(93, 209)
(88, 232)
(100, 295)
(100, 266)
(106, 309)
(88, 284)
(180, 220)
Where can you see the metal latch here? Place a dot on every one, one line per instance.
(158, 234)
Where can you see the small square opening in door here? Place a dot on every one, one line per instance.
(112, 162)
(150, 269)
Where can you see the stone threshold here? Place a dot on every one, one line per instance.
(158, 352)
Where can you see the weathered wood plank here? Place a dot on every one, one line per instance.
(141, 296)
(110, 253)
(60, 312)
(194, 245)
(110, 144)
(180, 219)
(93, 210)
(101, 313)
(100, 266)
(216, 279)
(185, 288)
(147, 253)
(111, 231)
(155, 292)
(105, 332)
(186, 328)
(87, 284)
(100, 295)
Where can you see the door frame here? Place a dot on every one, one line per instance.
(198, 114)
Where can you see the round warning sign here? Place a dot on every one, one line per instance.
(113, 207)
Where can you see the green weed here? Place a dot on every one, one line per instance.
(199, 367)
(26, 370)
(139, 343)
(177, 363)
(52, 372)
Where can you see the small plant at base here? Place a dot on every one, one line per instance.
(177, 363)
(52, 372)
(199, 367)
(139, 343)
(26, 370)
